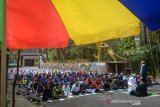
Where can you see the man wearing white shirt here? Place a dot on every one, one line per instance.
(132, 83)
(66, 89)
(75, 88)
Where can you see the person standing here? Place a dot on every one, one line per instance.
(143, 71)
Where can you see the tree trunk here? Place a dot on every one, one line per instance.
(158, 43)
(83, 54)
(64, 55)
(158, 40)
(15, 81)
(143, 37)
(46, 52)
(151, 51)
(58, 55)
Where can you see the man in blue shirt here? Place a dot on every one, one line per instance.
(143, 71)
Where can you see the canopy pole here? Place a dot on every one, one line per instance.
(3, 56)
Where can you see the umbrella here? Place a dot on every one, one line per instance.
(34, 24)
(50, 23)
(148, 11)
(90, 21)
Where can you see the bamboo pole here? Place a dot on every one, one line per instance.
(3, 57)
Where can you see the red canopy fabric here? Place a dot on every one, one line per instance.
(34, 24)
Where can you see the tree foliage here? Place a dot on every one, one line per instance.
(145, 46)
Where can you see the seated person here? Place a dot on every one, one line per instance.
(149, 81)
(57, 92)
(66, 89)
(90, 89)
(83, 88)
(120, 84)
(76, 89)
(106, 86)
(27, 92)
(35, 85)
(114, 83)
(154, 80)
(132, 83)
(24, 82)
(88, 82)
(47, 93)
(141, 89)
(125, 84)
(40, 89)
(138, 79)
(30, 85)
(97, 84)
(120, 76)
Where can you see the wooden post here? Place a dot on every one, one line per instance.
(125, 66)
(3, 57)
(7, 65)
(21, 57)
(23, 62)
(38, 58)
(116, 67)
(46, 52)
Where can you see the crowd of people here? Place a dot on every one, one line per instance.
(60, 85)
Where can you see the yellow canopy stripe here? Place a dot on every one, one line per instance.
(91, 21)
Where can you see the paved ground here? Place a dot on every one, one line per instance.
(108, 99)
(20, 101)
(98, 100)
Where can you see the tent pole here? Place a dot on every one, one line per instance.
(3, 57)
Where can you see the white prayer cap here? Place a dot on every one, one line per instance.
(133, 75)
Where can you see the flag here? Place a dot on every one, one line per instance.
(148, 11)
(34, 24)
(90, 21)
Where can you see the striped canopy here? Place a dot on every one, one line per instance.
(50, 23)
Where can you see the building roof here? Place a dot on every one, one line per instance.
(117, 62)
(27, 52)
